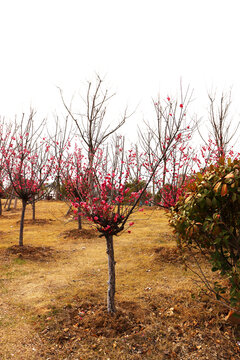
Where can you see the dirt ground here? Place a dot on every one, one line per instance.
(53, 294)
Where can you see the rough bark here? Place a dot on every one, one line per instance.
(24, 204)
(111, 275)
(58, 188)
(9, 201)
(9, 204)
(0, 206)
(15, 203)
(79, 222)
(34, 210)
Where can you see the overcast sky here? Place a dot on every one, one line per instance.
(142, 47)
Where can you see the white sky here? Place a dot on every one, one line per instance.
(143, 48)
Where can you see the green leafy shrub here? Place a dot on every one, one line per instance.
(208, 218)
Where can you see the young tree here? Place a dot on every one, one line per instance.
(169, 177)
(72, 172)
(221, 131)
(5, 136)
(1, 191)
(105, 205)
(108, 204)
(59, 142)
(27, 164)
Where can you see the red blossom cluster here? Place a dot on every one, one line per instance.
(103, 197)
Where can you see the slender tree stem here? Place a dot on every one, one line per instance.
(111, 273)
(24, 204)
(34, 210)
(79, 222)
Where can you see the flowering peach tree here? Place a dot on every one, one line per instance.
(108, 205)
(104, 197)
(27, 164)
(178, 159)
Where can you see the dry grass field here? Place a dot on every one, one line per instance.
(53, 294)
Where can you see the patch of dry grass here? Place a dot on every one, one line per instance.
(53, 294)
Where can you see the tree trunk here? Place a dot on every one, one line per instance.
(69, 210)
(6, 203)
(34, 210)
(58, 188)
(153, 191)
(0, 206)
(164, 171)
(79, 222)
(15, 203)
(24, 204)
(111, 275)
(9, 202)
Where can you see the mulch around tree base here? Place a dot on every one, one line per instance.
(94, 320)
(28, 252)
(160, 331)
(79, 234)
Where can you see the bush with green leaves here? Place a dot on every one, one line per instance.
(207, 217)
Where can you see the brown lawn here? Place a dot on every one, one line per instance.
(53, 294)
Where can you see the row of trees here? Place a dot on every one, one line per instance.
(103, 179)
